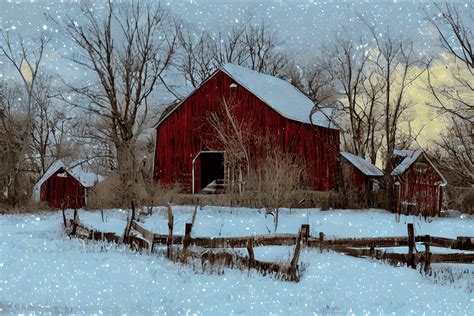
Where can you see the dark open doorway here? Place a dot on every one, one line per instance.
(212, 167)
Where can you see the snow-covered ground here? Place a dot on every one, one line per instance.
(215, 221)
(42, 270)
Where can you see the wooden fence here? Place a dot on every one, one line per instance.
(212, 251)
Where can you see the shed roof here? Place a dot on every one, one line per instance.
(364, 166)
(409, 157)
(277, 93)
(84, 177)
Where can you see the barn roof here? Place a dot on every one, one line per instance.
(86, 178)
(279, 94)
(409, 157)
(364, 166)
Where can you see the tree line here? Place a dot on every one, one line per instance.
(139, 51)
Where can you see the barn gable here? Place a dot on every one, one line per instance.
(277, 93)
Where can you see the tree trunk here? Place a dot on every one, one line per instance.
(130, 178)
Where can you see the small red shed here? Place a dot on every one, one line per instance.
(419, 184)
(64, 187)
(188, 151)
(362, 173)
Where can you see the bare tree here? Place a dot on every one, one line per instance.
(235, 136)
(50, 127)
(128, 50)
(276, 179)
(454, 23)
(394, 64)
(14, 141)
(34, 108)
(252, 46)
(313, 79)
(361, 90)
(457, 143)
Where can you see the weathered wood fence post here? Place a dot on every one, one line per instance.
(64, 217)
(294, 262)
(306, 235)
(427, 264)
(251, 253)
(411, 246)
(187, 235)
(169, 241)
(321, 240)
(133, 210)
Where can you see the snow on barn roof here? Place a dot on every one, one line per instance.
(410, 156)
(366, 167)
(86, 178)
(280, 95)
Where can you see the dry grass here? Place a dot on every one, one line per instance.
(29, 207)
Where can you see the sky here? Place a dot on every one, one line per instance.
(303, 26)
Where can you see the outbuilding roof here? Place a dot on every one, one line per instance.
(84, 177)
(364, 166)
(277, 93)
(409, 157)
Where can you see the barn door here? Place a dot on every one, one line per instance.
(212, 167)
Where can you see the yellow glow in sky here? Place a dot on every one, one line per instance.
(427, 119)
(26, 71)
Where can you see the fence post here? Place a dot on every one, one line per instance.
(133, 210)
(411, 246)
(294, 262)
(169, 241)
(187, 235)
(251, 253)
(305, 230)
(427, 258)
(321, 239)
(64, 218)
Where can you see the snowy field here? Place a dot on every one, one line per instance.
(42, 270)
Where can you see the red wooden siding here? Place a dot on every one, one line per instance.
(352, 176)
(63, 190)
(420, 190)
(186, 132)
(358, 178)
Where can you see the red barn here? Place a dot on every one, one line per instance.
(64, 187)
(188, 151)
(419, 184)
